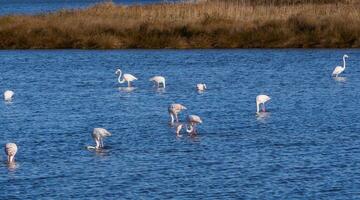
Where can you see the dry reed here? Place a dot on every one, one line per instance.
(205, 24)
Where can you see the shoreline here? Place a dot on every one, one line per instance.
(205, 25)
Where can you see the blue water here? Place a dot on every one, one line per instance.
(306, 147)
(39, 6)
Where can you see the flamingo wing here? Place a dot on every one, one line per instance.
(129, 77)
(179, 107)
(194, 119)
(262, 98)
(10, 149)
(101, 132)
(8, 94)
(157, 79)
(338, 70)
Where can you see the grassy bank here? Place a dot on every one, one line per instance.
(206, 24)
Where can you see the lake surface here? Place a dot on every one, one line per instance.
(307, 146)
(39, 6)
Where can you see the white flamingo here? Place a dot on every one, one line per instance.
(158, 80)
(8, 95)
(10, 150)
(126, 77)
(98, 135)
(261, 99)
(339, 69)
(193, 120)
(174, 109)
(201, 87)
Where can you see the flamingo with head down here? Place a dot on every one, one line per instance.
(8, 95)
(98, 135)
(158, 80)
(174, 109)
(261, 100)
(193, 121)
(11, 150)
(201, 87)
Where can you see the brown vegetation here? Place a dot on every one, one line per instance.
(206, 24)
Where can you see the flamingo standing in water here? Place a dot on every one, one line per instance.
(201, 87)
(126, 77)
(174, 109)
(261, 99)
(10, 150)
(8, 95)
(158, 80)
(193, 120)
(98, 135)
(339, 69)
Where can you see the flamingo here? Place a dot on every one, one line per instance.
(98, 135)
(158, 80)
(261, 99)
(201, 87)
(126, 77)
(174, 109)
(338, 70)
(10, 150)
(8, 94)
(193, 120)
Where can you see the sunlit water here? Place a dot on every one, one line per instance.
(39, 6)
(307, 146)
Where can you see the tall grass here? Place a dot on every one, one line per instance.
(205, 24)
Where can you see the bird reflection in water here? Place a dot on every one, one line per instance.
(12, 166)
(340, 79)
(160, 90)
(262, 116)
(126, 89)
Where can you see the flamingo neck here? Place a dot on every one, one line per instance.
(189, 130)
(344, 62)
(257, 107)
(119, 79)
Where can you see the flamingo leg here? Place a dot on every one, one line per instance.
(12, 158)
(97, 144)
(176, 117)
(263, 107)
(172, 118)
(129, 84)
(102, 143)
(163, 84)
